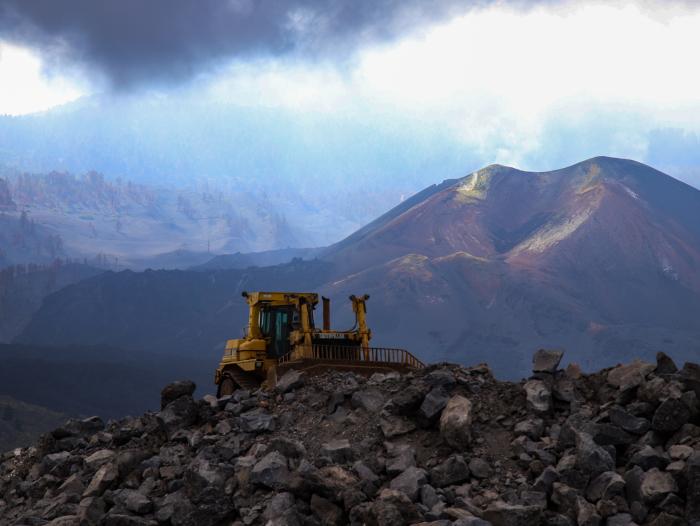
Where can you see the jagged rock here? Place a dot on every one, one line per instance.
(648, 457)
(410, 482)
(288, 447)
(393, 426)
(620, 519)
(72, 486)
(657, 389)
(628, 422)
(564, 387)
(402, 456)
(270, 471)
(119, 519)
(670, 416)
(138, 503)
(365, 472)
(546, 480)
(91, 510)
(175, 390)
(479, 468)
(666, 519)
(692, 476)
(532, 428)
(592, 458)
(546, 361)
(440, 377)
(337, 451)
(270, 458)
(279, 505)
(608, 434)
(75, 427)
(407, 401)
(428, 496)
(98, 458)
(471, 521)
(102, 480)
(586, 513)
(180, 412)
(56, 462)
(454, 470)
(656, 485)
(539, 396)
(605, 486)
(258, 421)
(370, 400)
(432, 406)
(631, 375)
(690, 375)
(456, 422)
(503, 514)
(291, 380)
(665, 364)
(328, 513)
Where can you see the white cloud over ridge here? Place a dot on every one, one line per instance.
(500, 78)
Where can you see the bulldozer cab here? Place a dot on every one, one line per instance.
(276, 326)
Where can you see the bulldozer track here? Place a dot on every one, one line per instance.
(243, 379)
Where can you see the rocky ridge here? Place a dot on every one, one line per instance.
(446, 445)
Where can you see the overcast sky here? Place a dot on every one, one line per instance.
(530, 84)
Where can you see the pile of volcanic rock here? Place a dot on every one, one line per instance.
(446, 445)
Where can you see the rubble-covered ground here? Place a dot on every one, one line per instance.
(446, 445)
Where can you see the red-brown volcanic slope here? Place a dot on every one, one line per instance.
(602, 257)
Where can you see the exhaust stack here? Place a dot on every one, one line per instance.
(326, 313)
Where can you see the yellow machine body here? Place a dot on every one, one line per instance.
(281, 334)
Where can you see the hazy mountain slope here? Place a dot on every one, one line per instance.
(602, 258)
(300, 162)
(22, 240)
(258, 259)
(22, 423)
(184, 313)
(124, 224)
(22, 289)
(98, 380)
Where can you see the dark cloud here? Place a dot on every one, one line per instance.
(141, 41)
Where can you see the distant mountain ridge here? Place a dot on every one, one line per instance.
(602, 258)
(124, 224)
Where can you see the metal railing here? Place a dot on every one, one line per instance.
(345, 353)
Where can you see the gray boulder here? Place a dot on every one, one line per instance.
(656, 485)
(456, 422)
(670, 416)
(291, 380)
(628, 422)
(337, 451)
(370, 400)
(592, 458)
(539, 396)
(432, 406)
(175, 390)
(605, 486)
(258, 421)
(270, 471)
(454, 470)
(503, 514)
(479, 468)
(546, 361)
(410, 482)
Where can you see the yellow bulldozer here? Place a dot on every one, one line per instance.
(281, 335)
